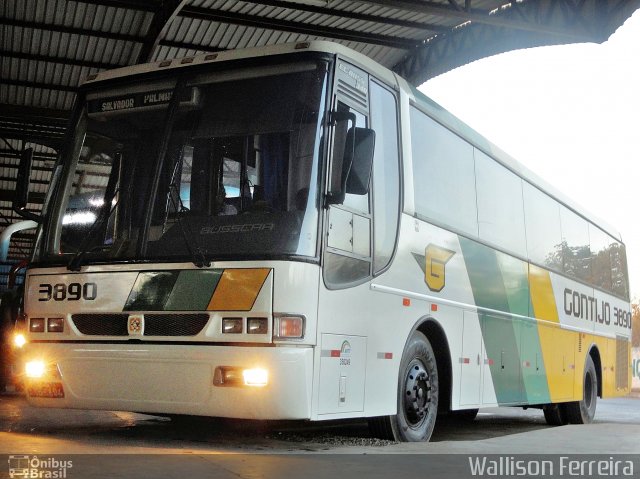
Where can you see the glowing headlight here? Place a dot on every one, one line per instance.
(19, 340)
(35, 369)
(255, 377)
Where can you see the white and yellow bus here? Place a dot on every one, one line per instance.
(295, 232)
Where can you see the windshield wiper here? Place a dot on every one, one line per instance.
(198, 255)
(105, 213)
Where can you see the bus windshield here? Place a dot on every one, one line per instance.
(238, 175)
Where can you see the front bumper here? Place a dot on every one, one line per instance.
(175, 379)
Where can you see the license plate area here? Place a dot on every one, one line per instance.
(46, 390)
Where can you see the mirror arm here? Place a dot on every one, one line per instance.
(21, 197)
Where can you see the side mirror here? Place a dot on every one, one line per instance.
(355, 164)
(362, 162)
(21, 197)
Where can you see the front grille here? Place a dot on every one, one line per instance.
(115, 324)
(101, 324)
(174, 324)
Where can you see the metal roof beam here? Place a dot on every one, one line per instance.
(21, 130)
(140, 5)
(35, 198)
(37, 125)
(296, 27)
(334, 12)
(6, 153)
(70, 30)
(32, 181)
(63, 61)
(31, 112)
(484, 17)
(161, 20)
(35, 84)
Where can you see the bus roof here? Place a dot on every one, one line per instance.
(257, 52)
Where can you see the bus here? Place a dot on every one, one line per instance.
(295, 232)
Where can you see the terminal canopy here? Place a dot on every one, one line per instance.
(50, 46)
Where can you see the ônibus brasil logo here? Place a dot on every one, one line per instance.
(34, 467)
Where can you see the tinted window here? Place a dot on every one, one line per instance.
(386, 181)
(619, 277)
(576, 254)
(544, 236)
(500, 213)
(600, 244)
(444, 178)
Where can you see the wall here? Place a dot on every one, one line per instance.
(635, 362)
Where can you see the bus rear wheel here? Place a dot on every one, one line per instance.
(554, 414)
(583, 412)
(417, 395)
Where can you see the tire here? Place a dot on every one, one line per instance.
(555, 415)
(417, 395)
(583, 411)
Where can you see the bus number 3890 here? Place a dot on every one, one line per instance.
(70, 292)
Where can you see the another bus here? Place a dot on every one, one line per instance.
(295, 232)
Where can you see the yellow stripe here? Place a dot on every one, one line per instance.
(558, 345)
(544, 302)
(238, 289)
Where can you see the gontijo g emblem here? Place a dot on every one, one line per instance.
(435, 260)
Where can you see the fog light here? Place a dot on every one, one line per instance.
(236, 377)
(232, 325)
(19, 340)
(255, 377)
(55, 325)
(257, 325)
(36, 325)
(35, 369)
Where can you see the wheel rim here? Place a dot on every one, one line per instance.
(417, 393)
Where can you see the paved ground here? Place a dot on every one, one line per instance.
(258, 449)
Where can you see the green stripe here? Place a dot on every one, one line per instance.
(500, 334)
(501, 282)
(151, 291)
(193, 290)
(188, 290)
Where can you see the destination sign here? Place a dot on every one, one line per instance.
(130, 102)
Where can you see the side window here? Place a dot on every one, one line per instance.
(544, 237)
(444, 176)
(619, 274)
(386, 179)
(576, 252)
(600, 244)
(500, 211)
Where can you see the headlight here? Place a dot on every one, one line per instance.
(255, 377)
(35, 369)
(19, 340)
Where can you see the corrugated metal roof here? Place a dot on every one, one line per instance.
(47, 47)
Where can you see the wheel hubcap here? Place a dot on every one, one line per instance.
(417, 392)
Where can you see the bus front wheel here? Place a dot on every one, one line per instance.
(583, 412)
(417, 395)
